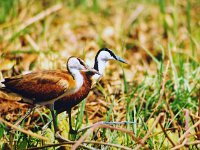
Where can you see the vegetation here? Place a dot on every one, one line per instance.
(151, 103)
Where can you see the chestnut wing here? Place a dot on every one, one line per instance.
(40, 86)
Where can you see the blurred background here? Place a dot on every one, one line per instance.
(48, 32)
(149, 34)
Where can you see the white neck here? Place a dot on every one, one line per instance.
(101, 67)
(101, 61)
(78, 78)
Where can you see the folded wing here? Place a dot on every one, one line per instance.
(41, 86)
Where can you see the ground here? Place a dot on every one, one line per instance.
(156, 93)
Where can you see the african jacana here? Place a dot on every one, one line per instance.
(66, 103)
(47, 87)
(101, 59)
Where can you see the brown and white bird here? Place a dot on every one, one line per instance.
(66, 102)
(101, 59)
(47, 87)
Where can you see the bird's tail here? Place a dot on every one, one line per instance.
(7, 94)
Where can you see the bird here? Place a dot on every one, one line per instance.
(67, 102)
(48, 86)
(101, 59)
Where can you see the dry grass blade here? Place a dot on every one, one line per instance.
(32, 42)
(158, 39)
(188, 131)
(86, 142)
(155, 134)
(195, 116)
(187, 121)
(134, 16)
(108, 123)
(193, 143)
(24, 131)
(187, 116)
(198, 135)
(108, 144)
(36, 18)
(180, 146)
(164, 131)
(100, 125)
(68, 144)
(196, 129)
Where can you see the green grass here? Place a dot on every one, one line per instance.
(7, 9)
(165, 32)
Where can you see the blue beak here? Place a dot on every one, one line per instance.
(121, 59)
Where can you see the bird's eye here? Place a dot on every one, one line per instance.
(81, 62)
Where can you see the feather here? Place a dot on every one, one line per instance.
(41, 86)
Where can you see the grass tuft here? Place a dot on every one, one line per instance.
(157, 92)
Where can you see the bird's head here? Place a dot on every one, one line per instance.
(75, 63)
(104, 55)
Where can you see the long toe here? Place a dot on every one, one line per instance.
(60, 138)
(71, 131)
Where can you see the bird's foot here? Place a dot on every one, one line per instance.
(60, 138)
(71, 131)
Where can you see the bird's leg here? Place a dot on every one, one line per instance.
(56, 131)
(71, 130)
(54, 118)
